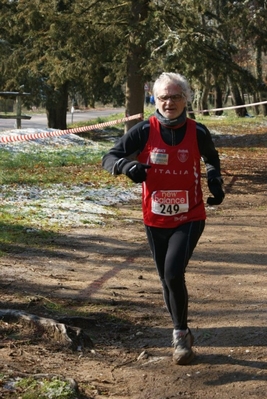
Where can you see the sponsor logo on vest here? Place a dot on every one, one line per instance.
(181, 218)
(183, 155)
(159, 150)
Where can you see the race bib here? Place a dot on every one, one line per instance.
(169, 202)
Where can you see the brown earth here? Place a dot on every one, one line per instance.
(107, 275)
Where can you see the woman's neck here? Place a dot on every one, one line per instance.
(171, 123)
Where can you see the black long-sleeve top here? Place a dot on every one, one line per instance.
(131, 144)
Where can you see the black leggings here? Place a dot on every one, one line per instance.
(171, 250)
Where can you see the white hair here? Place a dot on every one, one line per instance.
(175, 78)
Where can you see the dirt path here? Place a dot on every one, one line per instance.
(107, 274)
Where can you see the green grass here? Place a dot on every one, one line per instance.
(16, 236)
(229, 119)
(70, 165)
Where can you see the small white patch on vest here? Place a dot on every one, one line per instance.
(159, 158)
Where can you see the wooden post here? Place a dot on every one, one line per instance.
(18, 112)
(18, 102)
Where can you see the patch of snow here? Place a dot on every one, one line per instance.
(43, 144)
(59, 205)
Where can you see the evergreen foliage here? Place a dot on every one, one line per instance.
(99, 50)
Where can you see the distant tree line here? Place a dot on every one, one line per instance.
(106, 50)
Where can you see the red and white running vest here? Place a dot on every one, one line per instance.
(171, 194)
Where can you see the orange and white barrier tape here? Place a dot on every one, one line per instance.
(222, 109)
(56, 133)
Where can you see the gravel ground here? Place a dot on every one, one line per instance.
(59, 205)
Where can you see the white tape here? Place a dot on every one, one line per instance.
(233, 107)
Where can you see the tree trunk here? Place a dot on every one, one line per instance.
(134, 101)
(205, 92)
(262, 94)
(218, 100)
(226, 95)
(204, 99)
(135, 81)
(190, 111)
(56, 107)
(196, 100)
(237, 100)
(256, 108)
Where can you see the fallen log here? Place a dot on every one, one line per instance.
(70, 336)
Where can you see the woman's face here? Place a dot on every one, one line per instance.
(170, 100)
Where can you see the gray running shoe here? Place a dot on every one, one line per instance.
(182, 342)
